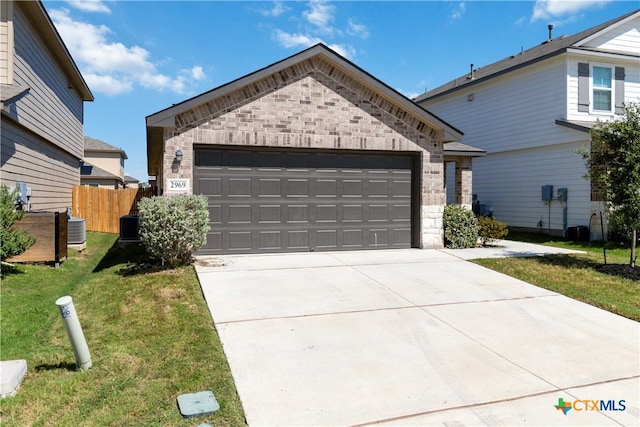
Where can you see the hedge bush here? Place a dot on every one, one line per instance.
(173, 228)
(460, 227)
(13, 241)
(491, 230)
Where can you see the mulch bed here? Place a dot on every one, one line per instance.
(622, 270)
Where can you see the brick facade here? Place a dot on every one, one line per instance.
(313, 104)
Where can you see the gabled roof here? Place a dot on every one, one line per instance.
(166, 118)
(528, 57)
(130, 179)
(87, 170)
(92, 145)
(50, 36)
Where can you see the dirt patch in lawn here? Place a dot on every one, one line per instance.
(621, 270)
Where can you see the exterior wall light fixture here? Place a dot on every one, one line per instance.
(179, 156)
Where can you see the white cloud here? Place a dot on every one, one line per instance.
(458, 11)
(198, 73)
(288, 40)
(277, 9)
(111, 67)
(89, 5)
(359, 30)
(549, 9)
(343, 50)
(295, 40)
(320, 15)
(107, 84)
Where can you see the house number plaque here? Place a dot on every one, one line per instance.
(178, 185)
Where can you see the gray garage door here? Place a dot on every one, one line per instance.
(291, 201)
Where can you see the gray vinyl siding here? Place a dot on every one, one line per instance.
(623, 38)
(49, 171)
(512, 112)
(511, 183)
(6, 47)
(51, 109)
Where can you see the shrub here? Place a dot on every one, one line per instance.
(460, 227)
(172, 228)
(13, 241)
(491, 230)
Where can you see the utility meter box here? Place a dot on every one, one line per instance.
(562, 194)
(547, 193)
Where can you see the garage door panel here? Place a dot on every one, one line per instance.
(269, 214)
(327, 213)
(211, 186)
(214, 241)
(401, 213)
(240, 240)
(270, 240)
(239, 187)
(297, 239)
(240, 214)
(275, 201)
(326, 188)
(352, 213)
(352, 188)
(353, 238)
(327, 239)
(298, 214)
(269, 187)
(298, 187)
(401, 188)
(215, 213)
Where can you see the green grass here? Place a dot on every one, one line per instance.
(575, 275)
(150, 335)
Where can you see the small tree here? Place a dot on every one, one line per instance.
(173, 228)
(13, 241)
(613, 164)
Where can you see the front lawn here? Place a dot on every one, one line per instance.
(575, 275)
(150, 335)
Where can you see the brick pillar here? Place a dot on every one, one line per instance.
(432, 203)
(464, 185)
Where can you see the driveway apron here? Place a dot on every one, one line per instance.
(414, 337)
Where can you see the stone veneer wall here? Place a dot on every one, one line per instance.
(313, 105)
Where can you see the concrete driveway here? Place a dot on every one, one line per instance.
(414, 337)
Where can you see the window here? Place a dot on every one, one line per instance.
(602, 89)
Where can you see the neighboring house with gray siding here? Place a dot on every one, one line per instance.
(311, 153)
(43, 95)
(532, 111)
(103, 164)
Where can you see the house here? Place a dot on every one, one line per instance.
(532, 111)
(131, 182)
(103, 164)
(42, 95)
(310, 153)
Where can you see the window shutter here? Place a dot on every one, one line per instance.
(583, 87)
(619, 76)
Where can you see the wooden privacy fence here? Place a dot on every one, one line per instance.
(103, 207)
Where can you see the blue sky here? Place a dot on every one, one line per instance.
(139, 57)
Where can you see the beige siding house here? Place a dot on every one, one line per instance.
(103, 164)
(42, 94)
(310, 153)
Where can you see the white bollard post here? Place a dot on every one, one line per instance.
(74, 331)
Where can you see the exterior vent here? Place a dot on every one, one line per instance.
(76, 231)
(129, 227)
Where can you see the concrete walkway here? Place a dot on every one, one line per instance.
(414, 337)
